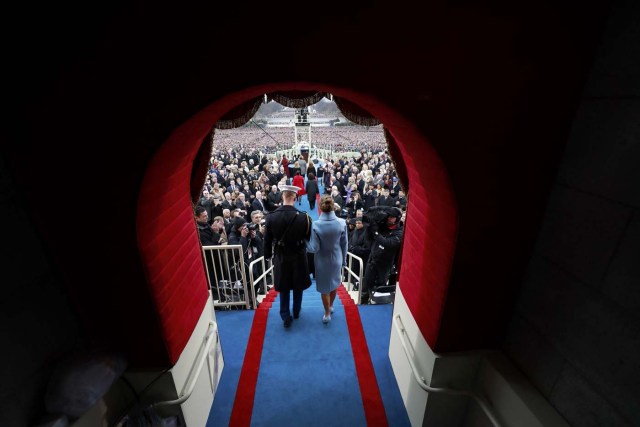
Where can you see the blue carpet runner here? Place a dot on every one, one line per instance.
(306, 375)
(234, 333)
(234, 327)
(377, 324)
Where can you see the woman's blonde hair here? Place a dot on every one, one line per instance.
(326, 203)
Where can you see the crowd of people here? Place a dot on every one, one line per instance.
(243, 186)
(349, 138)
(271, 139)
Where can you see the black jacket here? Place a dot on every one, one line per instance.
(339, 200)
(256, 206)
(252, 248)
(311, 169)
(353, 206)
(273, 178)
(311, 188)
(284, 240)
(273, 199)
(208, 205)
(370, 199)
(386, 201)
(206, 233)
(360, 243)
(384, 248)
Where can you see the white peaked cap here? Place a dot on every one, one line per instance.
(293, 188)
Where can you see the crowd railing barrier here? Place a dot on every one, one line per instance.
(232, 282)
(227, 276)
(261, 282)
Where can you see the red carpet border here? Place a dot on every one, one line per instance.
(245, 394)
(371, 398)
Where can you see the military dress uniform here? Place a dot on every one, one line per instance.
(287, 230)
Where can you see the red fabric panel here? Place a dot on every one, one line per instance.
(430, 232)
(172, 257)
(168, 240)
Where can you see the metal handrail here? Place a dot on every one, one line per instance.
(190, 384)
(237, 263)
(351, 257)
(253, 281)
(484, 404)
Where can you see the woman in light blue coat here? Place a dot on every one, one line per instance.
(328, 242)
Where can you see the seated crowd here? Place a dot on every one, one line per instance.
(338, 138)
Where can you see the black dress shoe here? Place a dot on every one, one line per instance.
(296, 315)
(287, 322)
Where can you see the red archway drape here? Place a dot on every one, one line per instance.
(169, 244)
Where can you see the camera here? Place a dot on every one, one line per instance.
(251, 226)
(379, 214)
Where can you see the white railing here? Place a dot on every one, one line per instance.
(226, 274)
(409, 352)
(230, 286)
(257, 298)
(316, 153)
(194, 374)
(351, 277)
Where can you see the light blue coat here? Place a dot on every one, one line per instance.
(329, 244)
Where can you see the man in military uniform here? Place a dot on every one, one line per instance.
(287, 230)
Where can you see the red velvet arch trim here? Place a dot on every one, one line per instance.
(168, 239)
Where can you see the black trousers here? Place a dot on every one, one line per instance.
(312, 265)
(373, 278)
(285, 313)
(312, 202)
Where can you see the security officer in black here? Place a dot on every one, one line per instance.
(386, 240)
(287, 231)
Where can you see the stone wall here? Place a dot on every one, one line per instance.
(576, 330)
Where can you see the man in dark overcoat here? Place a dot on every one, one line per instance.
(274, 199)
(286, 231)
(360, 244)
(312, 190)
